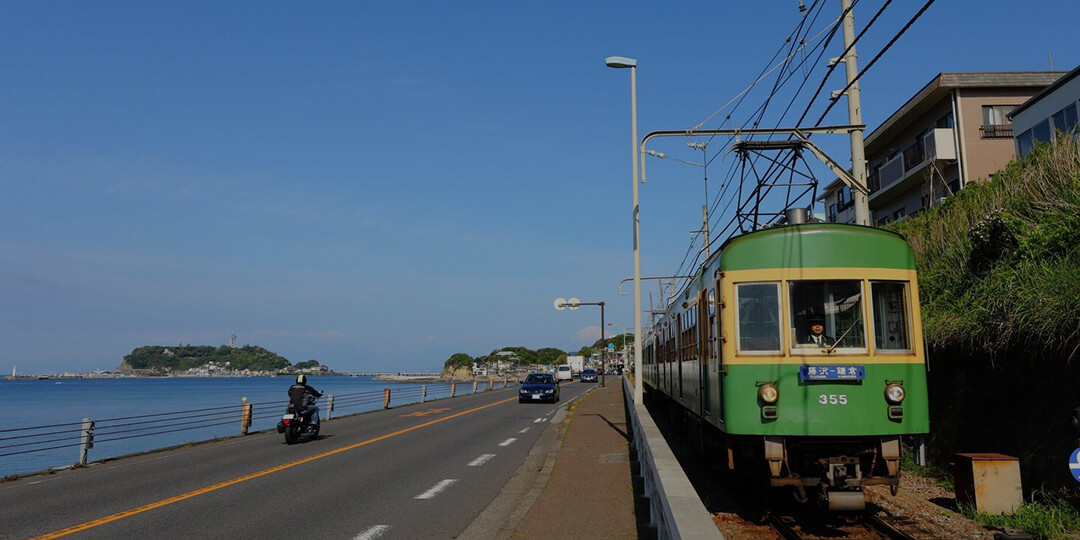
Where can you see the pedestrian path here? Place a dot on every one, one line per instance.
(590, 492)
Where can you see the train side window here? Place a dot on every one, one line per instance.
(890, 316)
(759, 317)
(834, 305)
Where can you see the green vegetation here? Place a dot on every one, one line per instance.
(308, 364)
(942, 477)
(183, 357)
(457, 361)
(999, 263)
(524, 356)
(1047, 516)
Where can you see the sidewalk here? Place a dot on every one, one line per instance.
(576, 482)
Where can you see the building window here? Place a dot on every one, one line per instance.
(1025, 142)
(832, 212)
(945, 121)
(1041, 132)
(996, 123)
(899, 214)
(1065, 119)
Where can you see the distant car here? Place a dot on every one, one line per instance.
(589, 375)
(564, 373)
(539, 387)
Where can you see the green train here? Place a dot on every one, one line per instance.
(798, 352)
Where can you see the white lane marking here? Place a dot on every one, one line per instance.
(431, 493)
(484, 458)
(32, 483)
(372, 533)
(538, 420)
(526, 430)
(508, 442)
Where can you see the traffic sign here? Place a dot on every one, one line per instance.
(1074, 464)
(611, 347)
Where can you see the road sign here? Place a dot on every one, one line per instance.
(611, 347)
(1074, 464)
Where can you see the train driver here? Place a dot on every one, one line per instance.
(817, 334)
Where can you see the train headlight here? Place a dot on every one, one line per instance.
(768, 393)
(895, 393)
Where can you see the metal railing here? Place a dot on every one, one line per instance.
(996, 131)
(89, 432)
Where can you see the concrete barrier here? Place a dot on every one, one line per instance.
(674, 507)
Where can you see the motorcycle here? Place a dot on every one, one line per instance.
(296, 425)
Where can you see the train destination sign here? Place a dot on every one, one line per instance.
(832, 373)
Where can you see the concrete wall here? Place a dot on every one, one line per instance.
(983, 157)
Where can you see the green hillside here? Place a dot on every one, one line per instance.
(183, 357)
(999, 263)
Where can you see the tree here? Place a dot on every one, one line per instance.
(458, 360)
(549, 355)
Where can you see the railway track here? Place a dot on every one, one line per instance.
(864, 526)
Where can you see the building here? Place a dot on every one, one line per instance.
(1046, 114)
(955, 130)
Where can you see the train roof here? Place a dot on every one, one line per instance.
(817, 245)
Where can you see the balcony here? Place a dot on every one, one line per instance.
(901, 172)
(996, 131)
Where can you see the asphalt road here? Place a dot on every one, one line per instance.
(419, 471)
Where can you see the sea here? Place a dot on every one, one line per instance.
(133, 415)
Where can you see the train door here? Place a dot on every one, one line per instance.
(679, 352)
(718, 351)
(703, 350)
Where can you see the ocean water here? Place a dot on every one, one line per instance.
(135, 415)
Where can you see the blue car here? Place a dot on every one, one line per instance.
(539, 387)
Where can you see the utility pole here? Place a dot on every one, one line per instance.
(858, 151)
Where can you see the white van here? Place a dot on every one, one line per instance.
(564, 373)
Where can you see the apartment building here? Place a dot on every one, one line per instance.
(1047, 114)
(955, 130)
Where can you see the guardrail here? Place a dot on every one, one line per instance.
(89, 432)
(674, 506)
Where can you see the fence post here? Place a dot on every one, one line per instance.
(329, 406)
(245, 415)
(506, 382)
(474, 386)
(453, 387)
(423, 393)
(87, 439)
(386, 399)
(491, 384)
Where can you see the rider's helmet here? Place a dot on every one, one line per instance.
(301, 379)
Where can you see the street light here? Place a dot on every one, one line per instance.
(619, 62)
(574, 303)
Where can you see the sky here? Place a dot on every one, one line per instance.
(380, 185)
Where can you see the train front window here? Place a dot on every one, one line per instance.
(827, 315)
(759, 320)
(890, 316)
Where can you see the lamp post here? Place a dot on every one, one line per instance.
(574, 303)
(619, 62)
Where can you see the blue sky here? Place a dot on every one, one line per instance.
(380, 185)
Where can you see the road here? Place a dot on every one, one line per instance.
(418, 471)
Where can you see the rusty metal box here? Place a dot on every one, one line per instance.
(988, 482)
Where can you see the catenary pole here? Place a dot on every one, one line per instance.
(858, 150)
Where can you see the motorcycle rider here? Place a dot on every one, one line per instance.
(302, 396)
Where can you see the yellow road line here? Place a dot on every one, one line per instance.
(227, 483)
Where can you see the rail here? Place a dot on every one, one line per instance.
(89, 433)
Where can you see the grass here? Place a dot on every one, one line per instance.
(1046, 516)
(941, 476)
(999, 263)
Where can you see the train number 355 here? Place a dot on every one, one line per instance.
(832, 399)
